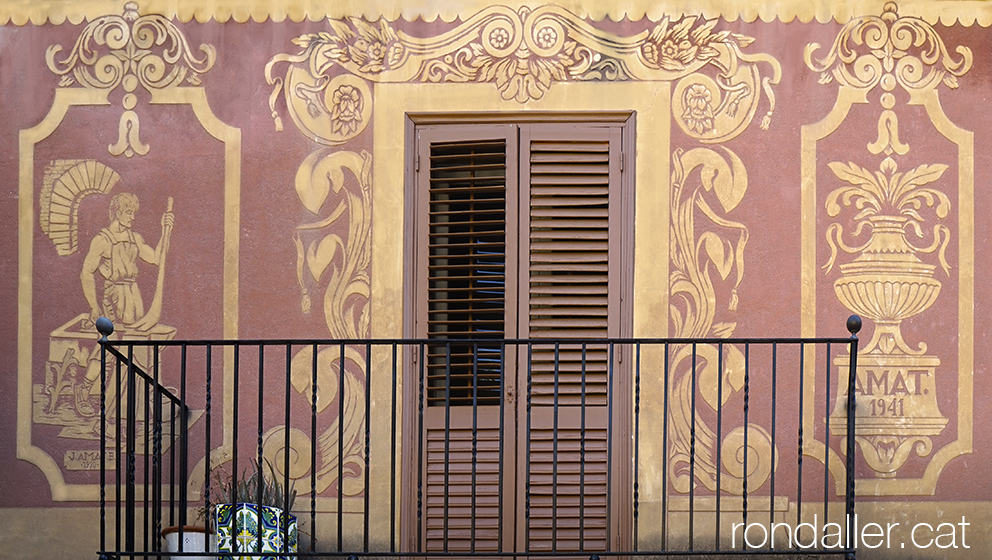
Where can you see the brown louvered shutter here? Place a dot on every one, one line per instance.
(467, 182)
(569, 215)
(517, 236)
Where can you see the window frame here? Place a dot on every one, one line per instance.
(413, 256)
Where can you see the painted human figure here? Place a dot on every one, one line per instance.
(114, 254)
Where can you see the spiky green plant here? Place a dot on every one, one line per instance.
(256, 487)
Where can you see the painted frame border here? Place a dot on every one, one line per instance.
(65, 98)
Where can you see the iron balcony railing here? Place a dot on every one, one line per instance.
(495, 448)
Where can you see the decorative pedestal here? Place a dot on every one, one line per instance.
(896, 408)
(70, 394)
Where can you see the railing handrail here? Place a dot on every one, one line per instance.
(507, 341)
(143, 374)
(123, 351)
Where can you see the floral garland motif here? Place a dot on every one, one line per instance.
(524, 52)
(150, 48)
(675, 47)
(889, 49)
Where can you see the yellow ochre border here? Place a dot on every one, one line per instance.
(651, 104)
(37, 12)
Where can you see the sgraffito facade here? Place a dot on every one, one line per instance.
(242, 168)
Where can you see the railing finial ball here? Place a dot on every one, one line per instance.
(853, 324)
(105, 327)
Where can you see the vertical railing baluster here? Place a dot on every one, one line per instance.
(236, 415)
(157, 473)
(554, 456)
(156, 452)
(341, 397)
(664, 452)
(103, 433)
(747, 428)
(719, 434)
(207, 429)
(447, 439)
(392, 459)
(183, 442)
(527, 447)
(146, 527)
(232, 498)
(368, 441)
(132, 434)
(258, 442)
(502, 406)
(799, 459)
(283, 526)
(611, 359)
(119, 457)
(313, 448)
(853, 326)
(771, 502)
(582, 451)
(174, 443)
(826, 441)
(475, 434)
(421, 436)
(692, 448)
(637, 433)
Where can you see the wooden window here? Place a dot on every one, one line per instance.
(466, 267)
(518, 234)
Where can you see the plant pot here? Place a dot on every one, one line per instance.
(239, 526)
(194, 540)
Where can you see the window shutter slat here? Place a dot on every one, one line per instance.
(466, 286)
(569, 181)
(448, 493)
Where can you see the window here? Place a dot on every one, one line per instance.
(520, 231)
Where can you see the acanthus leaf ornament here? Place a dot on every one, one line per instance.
(127, 51)
(526, 51)
(889, 50)
(706, 187)
(150, 47)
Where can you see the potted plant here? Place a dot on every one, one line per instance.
(195, 538)
(255, 515)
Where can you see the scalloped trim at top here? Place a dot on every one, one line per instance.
(946, 12)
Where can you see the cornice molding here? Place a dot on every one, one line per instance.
(38, 12)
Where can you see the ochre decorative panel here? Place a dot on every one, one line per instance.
(890, 221)
(145, 65)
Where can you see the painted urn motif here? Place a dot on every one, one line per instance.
(888, 282)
